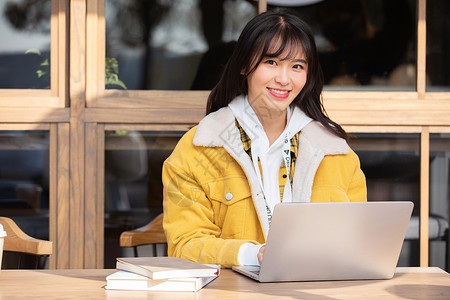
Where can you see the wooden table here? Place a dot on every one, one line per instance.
(408, 283)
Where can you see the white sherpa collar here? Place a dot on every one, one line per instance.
(218, 128)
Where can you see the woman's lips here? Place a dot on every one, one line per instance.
(282, 94)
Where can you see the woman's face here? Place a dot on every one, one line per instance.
(275, 83)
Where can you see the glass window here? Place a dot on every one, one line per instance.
(133, 185)
(438, 46)
(25, 44)
(171, 45)
(363, 45)
(391, 163)
(24, 184)
(439, 199)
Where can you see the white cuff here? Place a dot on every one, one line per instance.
(248, 254)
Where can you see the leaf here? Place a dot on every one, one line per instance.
(121, 132)
(40, 73)
(33, 51)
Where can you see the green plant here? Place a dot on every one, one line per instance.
(112, 73)
(44, 63)
(42, 69)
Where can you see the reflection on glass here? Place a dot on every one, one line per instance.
(363, 45)
(391, 163)
(24, 183)
(438, 47)
(133, 184)
(439, 199)
(25, 44)
(172, 45)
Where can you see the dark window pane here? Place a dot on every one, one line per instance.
(439, 199)
(364, 45)
(171, 45)
(25, 44)
(438, 46)
(133, 184)
(24, 184)
(391, 163)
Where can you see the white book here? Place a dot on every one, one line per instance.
(165, 267)
(123, 280)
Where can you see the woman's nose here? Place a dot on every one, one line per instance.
(282, 76)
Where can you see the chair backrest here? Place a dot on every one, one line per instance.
(152, 233)
(18, 241)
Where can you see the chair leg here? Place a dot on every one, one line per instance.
(42, 260)
(154, 250)
(19, 260)
(447, 250)
(135, 251)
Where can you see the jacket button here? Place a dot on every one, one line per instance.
(229, 196)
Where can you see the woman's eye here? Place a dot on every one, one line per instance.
(298, 67)
(271, 62)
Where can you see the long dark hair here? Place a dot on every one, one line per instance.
(254, 43)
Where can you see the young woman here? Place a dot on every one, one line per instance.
(266, 139)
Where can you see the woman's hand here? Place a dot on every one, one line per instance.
(261, 254)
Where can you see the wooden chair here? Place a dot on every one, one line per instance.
(19, 242)
(150, 234)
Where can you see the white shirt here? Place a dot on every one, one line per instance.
(270, 158)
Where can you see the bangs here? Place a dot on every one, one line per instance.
(284, 42)
(284, 47)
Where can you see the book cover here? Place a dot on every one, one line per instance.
(123, 280)
(165, 267)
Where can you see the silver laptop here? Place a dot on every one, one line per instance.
(333, 241)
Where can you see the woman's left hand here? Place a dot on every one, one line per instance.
(261, 253)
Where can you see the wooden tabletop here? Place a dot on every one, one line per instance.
(408, 283)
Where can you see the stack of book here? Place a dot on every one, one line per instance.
(160, 274)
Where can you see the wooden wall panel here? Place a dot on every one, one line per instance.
(92, 232)
(59, 194)
(100, 201)
(77, 134)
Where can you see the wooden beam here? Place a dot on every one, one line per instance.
(91, 232)
(424, 195)
(34, 115)
(262, 6)
(100, 201)
(59, 205)
(163, 116)
(421, 48)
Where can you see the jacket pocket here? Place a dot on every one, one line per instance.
(231, 199)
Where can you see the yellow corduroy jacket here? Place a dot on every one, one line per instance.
(213, 202)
